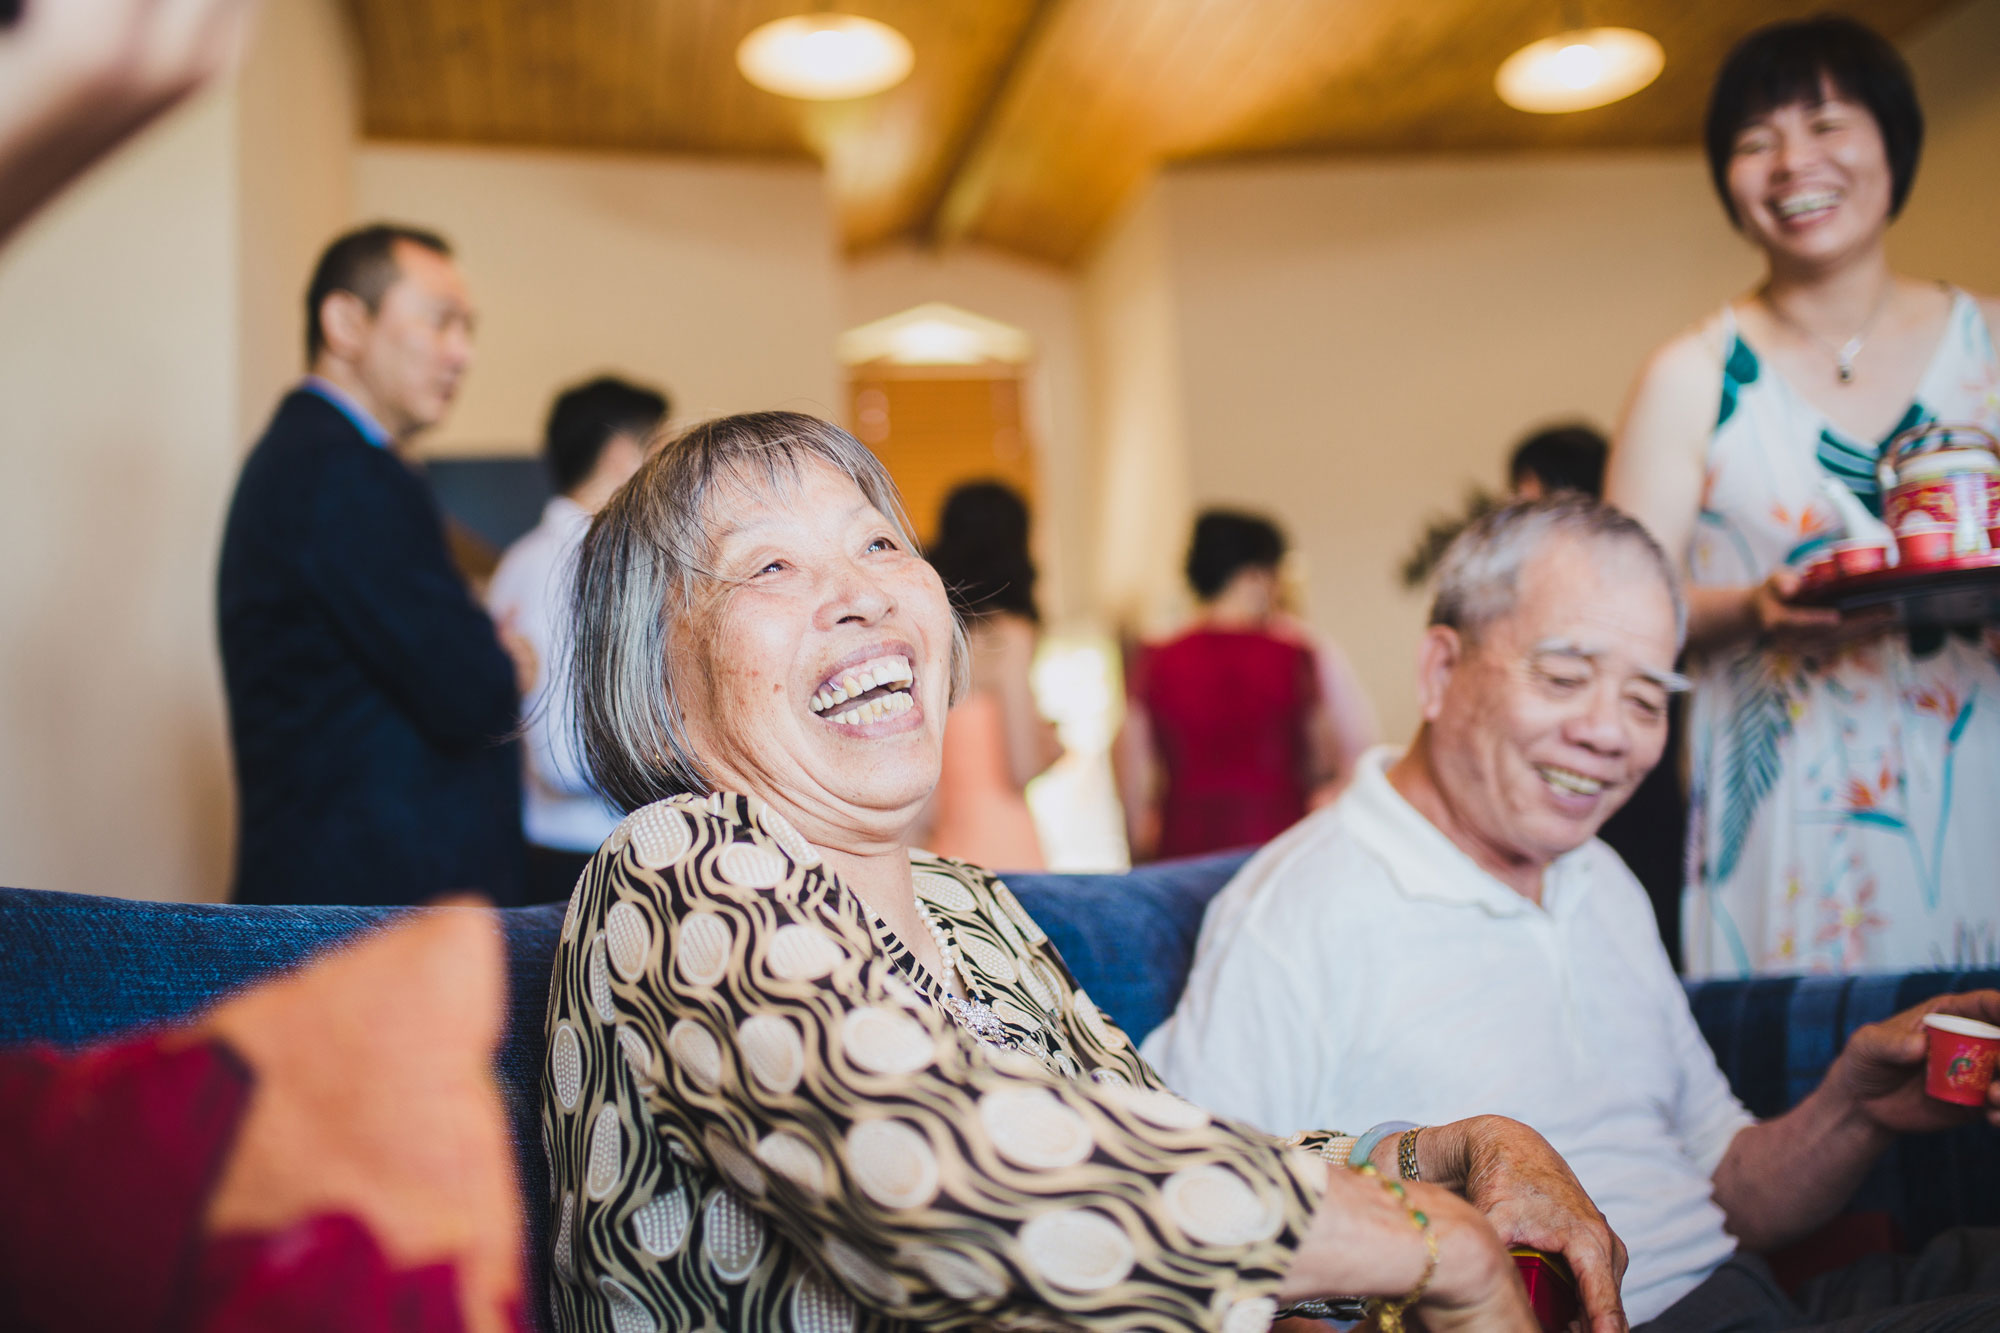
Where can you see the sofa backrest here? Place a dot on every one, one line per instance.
(79, 968)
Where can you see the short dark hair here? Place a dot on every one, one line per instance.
(1788, 63)
(1562, 458)
(585, 418)
(363, 262)
(981, 551)
(1227, 542)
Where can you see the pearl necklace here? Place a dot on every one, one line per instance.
(947, 951)
(974, 1015)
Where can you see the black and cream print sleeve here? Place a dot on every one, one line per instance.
(756, 1121)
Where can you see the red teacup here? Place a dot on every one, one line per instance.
(1963, 1052)
(1860, 557)
(1924, 543)
(1818, 569)
(1551, 1289)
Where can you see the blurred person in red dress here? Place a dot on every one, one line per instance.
(1230, 728)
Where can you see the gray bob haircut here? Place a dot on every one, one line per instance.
(1479, 577)
(641, 572)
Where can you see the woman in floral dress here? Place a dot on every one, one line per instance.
(1844, 772)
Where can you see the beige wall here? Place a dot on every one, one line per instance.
(118, 428)
(1141, 383)
(297, 118)
(1950, 228)
(1043, 302)
(719, 281)
(140, 332)
(1361, 343)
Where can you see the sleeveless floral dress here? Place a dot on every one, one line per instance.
(1843, 808)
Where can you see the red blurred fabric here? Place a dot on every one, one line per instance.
(1229, 712)
(111, 1155)
(322, 1275)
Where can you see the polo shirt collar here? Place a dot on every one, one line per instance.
(363, 420)
(1425, 864)
(562, 513)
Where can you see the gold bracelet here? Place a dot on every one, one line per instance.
(1389, 1313)
(1406, 1155)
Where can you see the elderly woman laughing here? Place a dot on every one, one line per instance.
(801, 1079)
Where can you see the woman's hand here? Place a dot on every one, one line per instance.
(1362, 1242)
(1529, 1196)
(1475, 1286)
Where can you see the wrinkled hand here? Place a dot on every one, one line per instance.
(1529, 1196)
(1882, 1068)
(1475, 1286)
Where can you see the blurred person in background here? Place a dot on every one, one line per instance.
(1842, 771)
(371, 700)
(1561, 458)
(595, 440)
(996, 739)
(1228, 730)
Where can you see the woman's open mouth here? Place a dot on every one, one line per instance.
(876, 689)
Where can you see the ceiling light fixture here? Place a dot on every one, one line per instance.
(1579, 69)
(825, 57)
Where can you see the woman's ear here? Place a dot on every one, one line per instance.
(1439, 654)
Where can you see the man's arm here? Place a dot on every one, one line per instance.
(1781, 1179)
(376, 558)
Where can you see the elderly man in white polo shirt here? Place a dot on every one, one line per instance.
(1449, 938)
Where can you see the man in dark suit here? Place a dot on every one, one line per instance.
(371, 701)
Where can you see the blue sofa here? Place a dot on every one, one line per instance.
(77, 968)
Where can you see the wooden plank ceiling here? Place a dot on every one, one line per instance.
(1028, 123)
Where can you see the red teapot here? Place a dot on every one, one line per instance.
(1943, 474)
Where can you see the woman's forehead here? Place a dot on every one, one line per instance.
(1820, 89)
(779, 492)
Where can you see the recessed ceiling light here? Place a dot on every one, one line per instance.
(1580, 69)
(825, 57)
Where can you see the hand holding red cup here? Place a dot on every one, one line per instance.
(1963, 1053)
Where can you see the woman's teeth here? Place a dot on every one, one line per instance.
(888, 705)
(891, 673)
(1562, 779)
(1801, 204)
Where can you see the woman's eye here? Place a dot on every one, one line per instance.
(882, 544)
(775, 567)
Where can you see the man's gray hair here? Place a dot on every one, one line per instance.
(643, 567)
(1479, 577)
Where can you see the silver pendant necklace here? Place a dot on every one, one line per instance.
(1844, 354)
(974, 1015)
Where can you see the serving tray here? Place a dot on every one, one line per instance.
(1964, 590)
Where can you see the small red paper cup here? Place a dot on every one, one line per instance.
(1860, 557)
(1551, 1289)
(1924, 543)
(1963, 1053)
